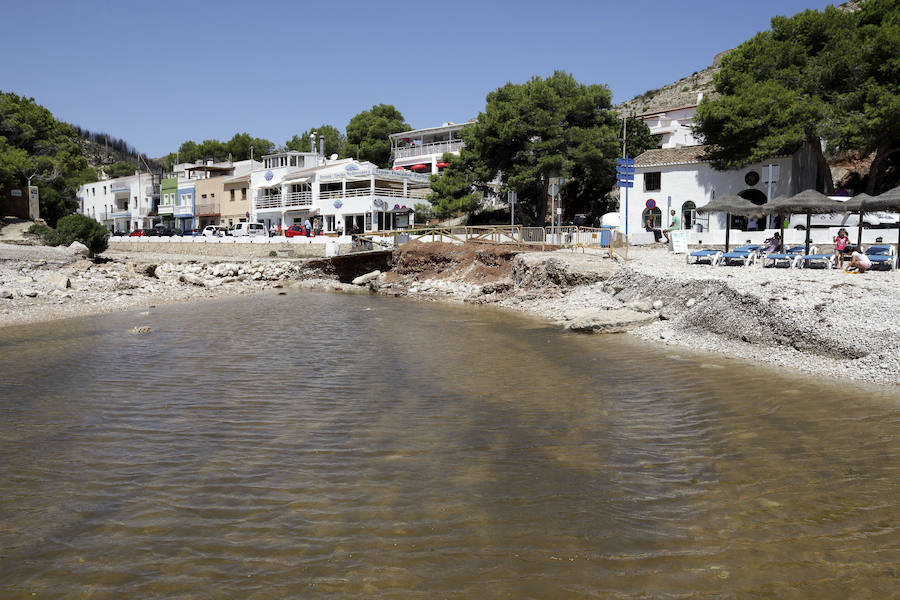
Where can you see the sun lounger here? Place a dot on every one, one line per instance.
(745, 254)
(805, 260)
(711, 255)
(788, 255)
(882, 254)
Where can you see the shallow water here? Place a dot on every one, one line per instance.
(321, 445)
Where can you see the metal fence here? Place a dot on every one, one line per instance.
(612, 240)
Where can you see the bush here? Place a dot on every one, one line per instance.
(85, 230)
(47, 234)
(424, 213)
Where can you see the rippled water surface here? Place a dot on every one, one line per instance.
(315, 445)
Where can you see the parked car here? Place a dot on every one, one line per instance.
(214, 231)
(249, 229)
(189, 232)
(121, 233)
(164, 231)
(143, 233)
(294, 231)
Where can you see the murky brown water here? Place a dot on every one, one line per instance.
(318, 445)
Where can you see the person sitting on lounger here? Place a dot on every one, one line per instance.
(657, 234)
(772, 244)
(859, 262)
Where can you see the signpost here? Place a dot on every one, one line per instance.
(512, 197)
(625, 178)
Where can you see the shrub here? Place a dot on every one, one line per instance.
(85, 230)
(272, 253)
(48, 235)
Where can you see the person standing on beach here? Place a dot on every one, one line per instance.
(840, 246)
(675, 225)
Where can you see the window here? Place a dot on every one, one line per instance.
(203, 196)
(232, 196)
(243, 193)
(329, 222)
(212, 196)
(652, 181)
(368, 221)
(104, 189)
(656, 214)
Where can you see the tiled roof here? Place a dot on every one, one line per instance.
(671, 156)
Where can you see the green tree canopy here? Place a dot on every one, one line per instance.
(37, 149)
(454, 190)
(120, 169)
(238, 148)
(546, 128)
(827, 78)
(334, 140)
(367, 134)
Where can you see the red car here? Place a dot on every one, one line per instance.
(143, 233)
(294, 230)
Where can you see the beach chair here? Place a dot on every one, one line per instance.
(746, 255)
(805, 260)
(882, 254)
(789, 255)
(711, 255)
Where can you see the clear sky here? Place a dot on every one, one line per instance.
(156, 73)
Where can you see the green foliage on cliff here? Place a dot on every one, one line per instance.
(37, 149)
(367, 134)
(830, 75)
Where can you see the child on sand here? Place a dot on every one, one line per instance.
(840, 245)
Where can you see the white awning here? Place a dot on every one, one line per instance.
(298, 180)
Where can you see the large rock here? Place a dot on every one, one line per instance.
(615, 320)
(365, 279)
(57, 280)
(6, 294)
(79, 249)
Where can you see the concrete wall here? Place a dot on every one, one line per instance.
(198, 246)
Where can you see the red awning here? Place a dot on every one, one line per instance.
(397, 169)
(418, 167)
(442, 165)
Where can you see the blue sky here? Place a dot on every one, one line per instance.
(157, 73)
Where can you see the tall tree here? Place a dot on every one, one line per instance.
(37, 149)
(367, 134)
(334, 140)
(454, 191)
(543, 129)
(829, 78)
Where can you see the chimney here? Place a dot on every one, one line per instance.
(322, 145)
(312, 142)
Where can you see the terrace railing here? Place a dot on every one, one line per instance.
(425, 149)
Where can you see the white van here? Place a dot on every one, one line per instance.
(249, 229)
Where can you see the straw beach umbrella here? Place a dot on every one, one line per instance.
(731, 204)
(808, 202)
(888, 202)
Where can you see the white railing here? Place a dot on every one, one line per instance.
(424, 149)
(165, 209)
(298, 199)
(207, 208)
(290, 200)
(184, 210)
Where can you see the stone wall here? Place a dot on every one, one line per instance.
(236, 250)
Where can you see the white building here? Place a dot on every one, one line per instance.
(675, 126)
(121, 204)
(345, 194)
(422, 150)
(680, 179)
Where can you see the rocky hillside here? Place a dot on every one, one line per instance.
(683, 92)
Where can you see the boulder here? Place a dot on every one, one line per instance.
(615, 320)
(691, 302)
(28, 293)
(657, 305)
(79, 249)
(57, 280)
(365, 279)
(643, 306)
(6, 294)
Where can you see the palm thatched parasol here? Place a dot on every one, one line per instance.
(732, 204)
(888, 201)
(809, 202)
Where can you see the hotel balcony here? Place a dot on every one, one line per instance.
(437, 148)
(183, 210)
(304, 199)
(292, 200)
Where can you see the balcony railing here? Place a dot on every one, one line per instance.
(206, 209)
(184, 210)
(166, 209)
(424, 149)
(123, 214)
(379, 191)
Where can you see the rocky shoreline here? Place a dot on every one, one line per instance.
(825, 323)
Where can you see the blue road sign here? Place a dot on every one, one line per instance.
(626, 176)
(624, 161)
(626, 184)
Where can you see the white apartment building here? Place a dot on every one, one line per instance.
(675, 126)
(345, 194)
(120, 204)
(422, 150)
